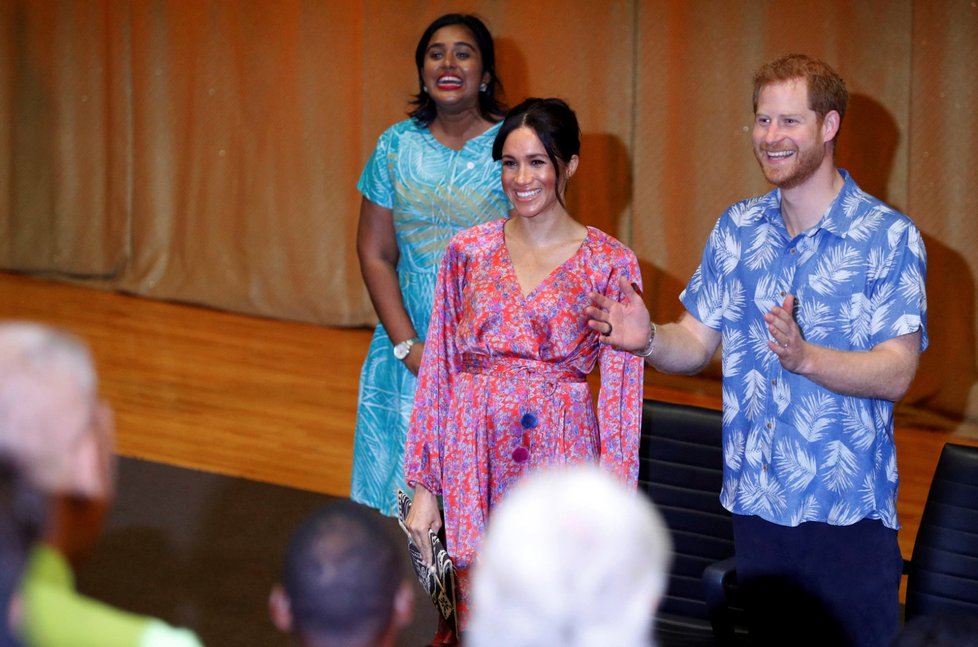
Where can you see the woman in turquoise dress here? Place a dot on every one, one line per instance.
(429, 177)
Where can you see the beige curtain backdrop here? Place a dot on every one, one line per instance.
(207, 150)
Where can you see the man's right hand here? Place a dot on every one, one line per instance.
(622, 325)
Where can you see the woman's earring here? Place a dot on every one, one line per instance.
(483, 87)
(424, 88)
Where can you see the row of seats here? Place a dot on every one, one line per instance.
(681, 469)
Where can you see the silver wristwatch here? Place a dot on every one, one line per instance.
(402, 349)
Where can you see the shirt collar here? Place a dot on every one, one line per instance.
(837, 219)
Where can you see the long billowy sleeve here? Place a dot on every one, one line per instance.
(432, 399)
(620, 397)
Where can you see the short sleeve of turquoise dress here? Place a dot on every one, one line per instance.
(434, 192)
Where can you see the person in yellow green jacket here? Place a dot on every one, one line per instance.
(58, 430)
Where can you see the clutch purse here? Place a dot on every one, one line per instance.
(438, 578)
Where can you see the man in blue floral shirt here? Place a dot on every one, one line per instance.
(816, 292)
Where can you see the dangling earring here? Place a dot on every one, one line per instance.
(483, 87)
(424, 88)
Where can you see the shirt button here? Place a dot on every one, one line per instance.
(774, 382)
(791, 251)
(782, 294)
(764, 467)
(769, 426)
(470, 165)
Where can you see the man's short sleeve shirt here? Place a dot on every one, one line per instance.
(793, 450)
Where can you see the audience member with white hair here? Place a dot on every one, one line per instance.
(571, 557)
(59, 432)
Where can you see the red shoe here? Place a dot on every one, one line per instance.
(445, 636)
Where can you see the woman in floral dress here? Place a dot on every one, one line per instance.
(502, 388)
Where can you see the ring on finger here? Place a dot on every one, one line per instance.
(610, 328)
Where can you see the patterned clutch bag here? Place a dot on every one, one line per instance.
(437, 579)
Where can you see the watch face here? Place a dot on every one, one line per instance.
(401, 350)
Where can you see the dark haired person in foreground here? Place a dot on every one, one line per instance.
(816, 291)
(343, 581)
(22, 512)
(503, 384)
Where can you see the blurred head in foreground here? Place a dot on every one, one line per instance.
(56, 428)
(571, 557)
(343, 581)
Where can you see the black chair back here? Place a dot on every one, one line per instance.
(942, 577)
(681, 469)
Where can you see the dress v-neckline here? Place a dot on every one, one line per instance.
(468, 142)
(550, 276)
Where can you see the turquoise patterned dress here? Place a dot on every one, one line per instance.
(434, 192)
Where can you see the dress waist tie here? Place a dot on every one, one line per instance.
(521, 368)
